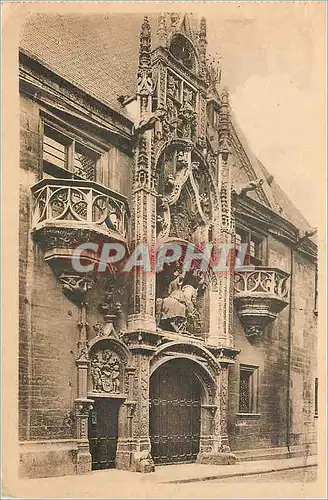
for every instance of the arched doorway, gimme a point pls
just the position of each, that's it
(175, 413)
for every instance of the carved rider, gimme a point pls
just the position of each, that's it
(172, 309)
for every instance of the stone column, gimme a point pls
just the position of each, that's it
(82, 405)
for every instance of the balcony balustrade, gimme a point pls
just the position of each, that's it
(260, 295)
(85, 203)
(67, 213)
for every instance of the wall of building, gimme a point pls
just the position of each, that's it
(48, 319)
(270, 354)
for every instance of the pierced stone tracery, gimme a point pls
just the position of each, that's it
(184, 186)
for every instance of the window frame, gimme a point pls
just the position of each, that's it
(253, 372)
(261, 245)
(72, 137)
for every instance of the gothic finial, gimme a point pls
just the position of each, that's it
(161, 30)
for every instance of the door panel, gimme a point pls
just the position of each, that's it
(103, 433)
(174, 413)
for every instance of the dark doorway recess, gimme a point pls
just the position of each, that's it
(175, 413)
(103, 433)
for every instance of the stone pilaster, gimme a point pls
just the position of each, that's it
(214, 446)
(223, 384)
(83, 459)
(134, 449)
(226, 233)
(143, 237)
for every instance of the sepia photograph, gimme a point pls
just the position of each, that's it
(164, 242)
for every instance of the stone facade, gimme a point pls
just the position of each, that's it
(169, 165)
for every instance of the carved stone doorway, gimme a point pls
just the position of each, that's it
(103, 433)
(175, 413)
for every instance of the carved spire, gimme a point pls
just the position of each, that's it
(213, 71)
(161, 30)
(145, 44)
(224, 123)
(202, 42)
(145, 85)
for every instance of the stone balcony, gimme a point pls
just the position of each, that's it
(260, 295)
(67, 213)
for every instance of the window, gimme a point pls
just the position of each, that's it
(182, 50)
(65, 157)
(248, 389)
(316, 401)
(253, 249)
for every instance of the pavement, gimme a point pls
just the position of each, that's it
(187, 473)
(166, 482)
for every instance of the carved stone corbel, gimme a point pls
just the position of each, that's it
(75, 287)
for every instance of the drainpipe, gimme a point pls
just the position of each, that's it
(289, 351)
(293, 247)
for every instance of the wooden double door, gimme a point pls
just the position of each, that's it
(175, 413)
(103, 433)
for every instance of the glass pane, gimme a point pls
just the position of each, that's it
(54, 152)
(244, 391)
(238, 240)
(84, 163)
(252, 249)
